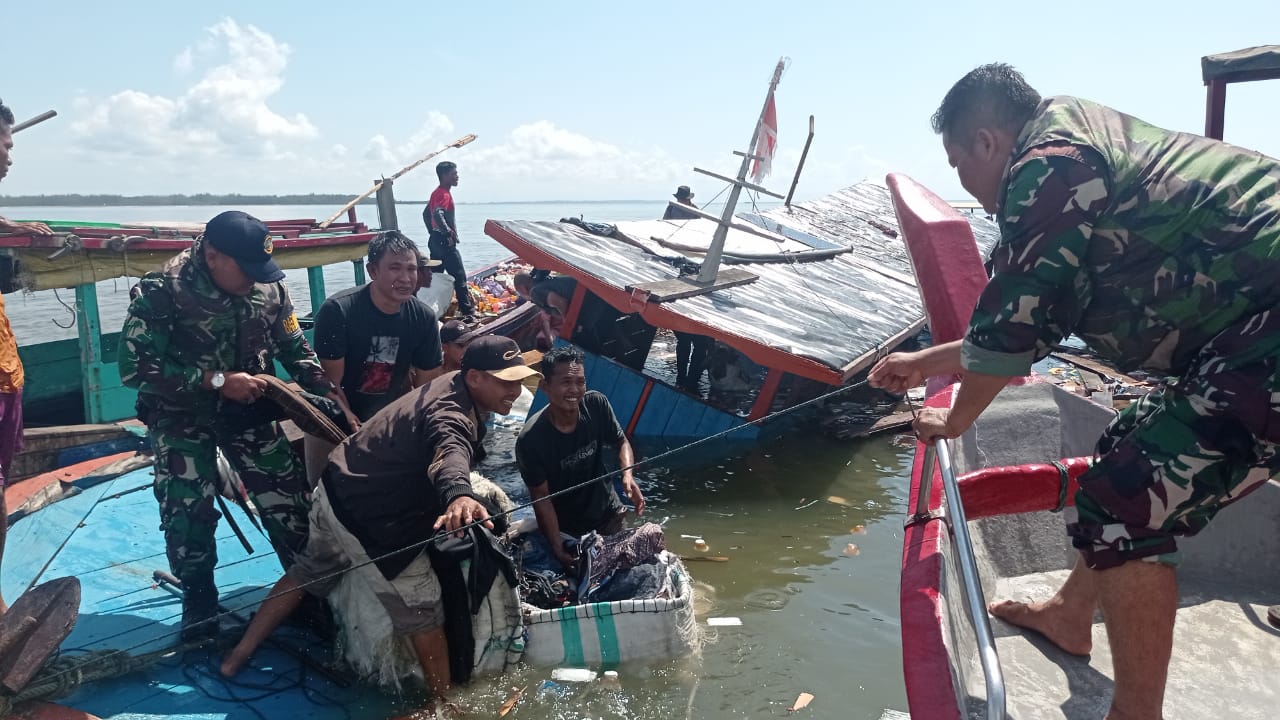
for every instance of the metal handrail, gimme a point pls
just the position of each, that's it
(974, 599)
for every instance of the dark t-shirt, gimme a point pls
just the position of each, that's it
(378, 348)
(676, 211)
(441, 199)
(389, 481)
(562, 285)
(546, 455)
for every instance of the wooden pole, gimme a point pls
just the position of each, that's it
(803, 154)
(34, 121)
(711, 263)
(455, 144)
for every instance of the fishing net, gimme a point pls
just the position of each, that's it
(370, 646)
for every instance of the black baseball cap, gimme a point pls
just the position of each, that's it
(452, 331)
(499, 356)
(245, 239)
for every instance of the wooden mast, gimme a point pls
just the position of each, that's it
(711, 264)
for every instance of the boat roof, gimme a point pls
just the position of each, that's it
(82, 252)
(1255, 63)
(825, 319)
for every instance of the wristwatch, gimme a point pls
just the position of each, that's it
(218, 380)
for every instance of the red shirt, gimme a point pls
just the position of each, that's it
(441, 199)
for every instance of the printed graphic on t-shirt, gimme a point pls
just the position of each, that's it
(582, 457)
(379, 364)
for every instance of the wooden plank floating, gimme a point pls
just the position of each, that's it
(683, 287)
(1096, 366)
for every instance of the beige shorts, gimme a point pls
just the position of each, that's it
(315, 454)
(412, 599)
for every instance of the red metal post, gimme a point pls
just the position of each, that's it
(768, 391)
(575, 308)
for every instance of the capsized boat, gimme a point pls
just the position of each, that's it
(811, 295)
(983, 523)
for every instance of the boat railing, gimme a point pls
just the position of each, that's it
(975, 602)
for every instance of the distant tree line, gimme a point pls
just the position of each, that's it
(176, 199)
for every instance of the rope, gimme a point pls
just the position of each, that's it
(70, 309)
(607, 476)
(1064, 478)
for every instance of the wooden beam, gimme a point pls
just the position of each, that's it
(1095, 366)
(686, 286)
(742, 227)
(743, 183)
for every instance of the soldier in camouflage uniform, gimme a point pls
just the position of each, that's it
(1161, 250)
(195, 336)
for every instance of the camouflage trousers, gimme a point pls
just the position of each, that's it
(1170, 461)
(186, 480)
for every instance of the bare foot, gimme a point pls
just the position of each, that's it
(1065, 627)
(233, 663)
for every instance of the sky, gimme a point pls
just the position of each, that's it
(570, 101)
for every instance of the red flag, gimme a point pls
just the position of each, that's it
(767, 142)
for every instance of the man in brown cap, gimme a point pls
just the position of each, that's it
(388, 489)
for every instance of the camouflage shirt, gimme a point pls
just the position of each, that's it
(181, 324)
(1144, 242)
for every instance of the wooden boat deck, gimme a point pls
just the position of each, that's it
(108, 537)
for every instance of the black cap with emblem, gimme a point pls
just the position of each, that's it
(499, 356)
(245, 239)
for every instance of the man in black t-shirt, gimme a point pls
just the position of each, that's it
(376, 341)
(561, 446)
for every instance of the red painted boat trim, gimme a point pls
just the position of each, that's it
(19, 492)
(575, 309)
(288, 233)
(658, 316)
(635, 415)
(1020, 489)
(926, 668)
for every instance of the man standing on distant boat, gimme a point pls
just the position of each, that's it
(443, 241)
(562, 446)
(684, 196)
(692, 350)
(12, 376)
(1161, 250)
(194, 339)
(376, 341)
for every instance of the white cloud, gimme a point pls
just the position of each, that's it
(226, 132)
(543, 150)
(378, 151)
(225, 109)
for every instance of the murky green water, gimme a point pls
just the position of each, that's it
(817, 616)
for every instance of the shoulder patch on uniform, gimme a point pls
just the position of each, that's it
(291, 324)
